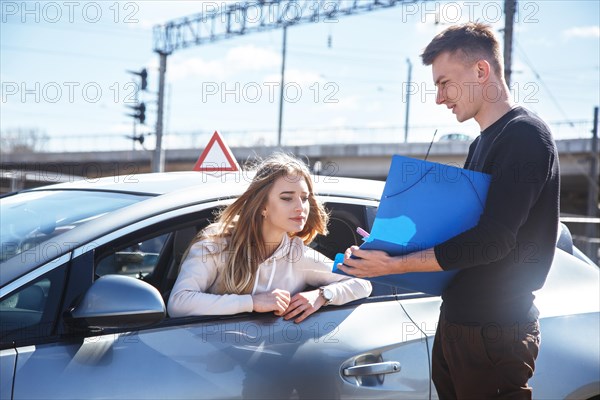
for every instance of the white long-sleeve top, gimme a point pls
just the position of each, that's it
(292, 267)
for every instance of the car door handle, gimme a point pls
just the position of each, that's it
(388, 367)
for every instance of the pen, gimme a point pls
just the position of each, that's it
(362, 232)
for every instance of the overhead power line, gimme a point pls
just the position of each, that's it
(238, 19)
(541, 81)
(61, 53)
(256, 16)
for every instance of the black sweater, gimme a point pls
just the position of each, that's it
(508, 254)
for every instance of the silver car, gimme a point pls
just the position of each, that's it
(86, 268)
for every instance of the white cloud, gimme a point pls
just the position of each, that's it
(379, 124)
(250, 57)
(350, 103)
(373, 107)
(338, 121)
(196, 66)
(300, 77)
(238, 59)
(123, 128)
(582, 32)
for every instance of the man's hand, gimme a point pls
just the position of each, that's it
(278, 301)
(303, 304)
(372, 263)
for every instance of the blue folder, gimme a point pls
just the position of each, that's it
(423, 204)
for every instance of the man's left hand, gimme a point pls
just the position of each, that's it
(372, 263)
(368, 264)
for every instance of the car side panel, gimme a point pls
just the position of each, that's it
(8, 358)
(569, 325)
(555, 376)
(252, 356)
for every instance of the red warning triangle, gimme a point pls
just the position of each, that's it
(216, 158)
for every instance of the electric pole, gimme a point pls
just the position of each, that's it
(158, 161)
(509, 18)
(592, 201)
(407, 99)
(281, 97)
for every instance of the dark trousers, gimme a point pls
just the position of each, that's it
(488, 361)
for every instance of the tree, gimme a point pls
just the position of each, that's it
(22, 140)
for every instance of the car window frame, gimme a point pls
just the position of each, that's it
(85, 256)
(46, 331)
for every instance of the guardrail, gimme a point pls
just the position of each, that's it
(255, 137)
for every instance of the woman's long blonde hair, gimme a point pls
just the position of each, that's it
(241, 222)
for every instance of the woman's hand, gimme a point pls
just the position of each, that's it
(277, 301)
(303, 304)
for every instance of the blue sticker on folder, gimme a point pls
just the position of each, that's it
(423, 204)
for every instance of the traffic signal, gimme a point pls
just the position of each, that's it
(143, 74)
(138, 138)
(140, 112)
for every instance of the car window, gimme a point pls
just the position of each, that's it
(154, 252)
(343, 221)
(30, 218)
(138, 259)
(30, 312)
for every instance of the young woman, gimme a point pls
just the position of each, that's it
(256, 258)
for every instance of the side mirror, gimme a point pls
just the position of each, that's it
(115, 301)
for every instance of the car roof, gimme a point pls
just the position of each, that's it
(169, 191)
(150, 184)
(168, 182)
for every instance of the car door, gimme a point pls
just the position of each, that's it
(28, 309)
(345, 352)
(366, 349)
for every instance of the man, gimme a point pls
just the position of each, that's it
(487, 338)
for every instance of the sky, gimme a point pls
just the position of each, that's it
(63, 69)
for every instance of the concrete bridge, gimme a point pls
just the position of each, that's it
(23, 170)
(354, 160)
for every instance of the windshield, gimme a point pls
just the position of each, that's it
(29, 218)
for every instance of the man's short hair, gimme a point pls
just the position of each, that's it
(471, 42)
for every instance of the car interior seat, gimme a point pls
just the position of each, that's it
(181, 241)
(32, 298)
(342, 234)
